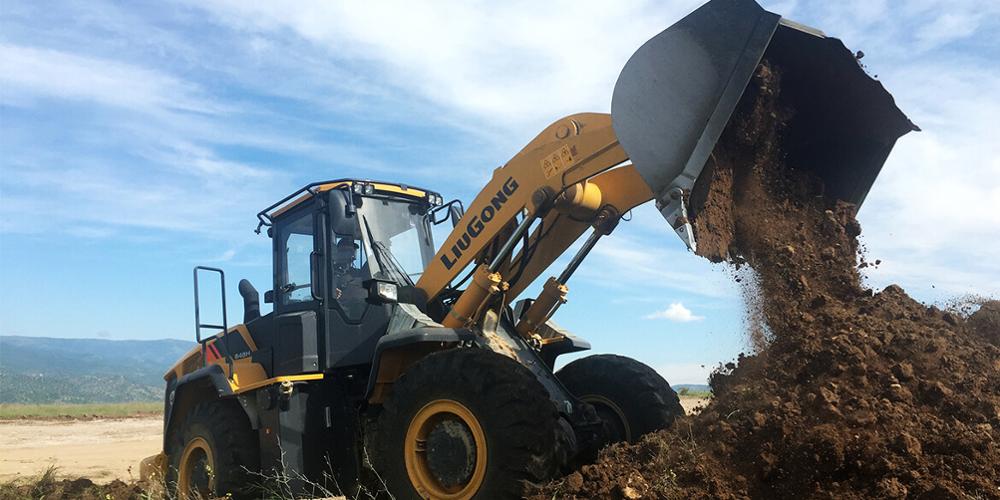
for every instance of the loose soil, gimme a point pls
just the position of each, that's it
(849, 393)
(50, 488)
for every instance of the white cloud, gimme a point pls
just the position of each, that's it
(490, 60)
(144, 143)
(134, 157)
(949, 26)
(198, 161)
(226, 256)
(675, 312)
(91, 232)
(28, 72)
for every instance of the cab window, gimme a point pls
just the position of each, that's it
(295, 242)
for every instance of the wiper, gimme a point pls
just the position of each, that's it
(385, 258)
(393, 263)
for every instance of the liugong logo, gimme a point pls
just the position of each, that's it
(475, 226)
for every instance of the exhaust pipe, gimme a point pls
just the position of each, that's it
(677, 93)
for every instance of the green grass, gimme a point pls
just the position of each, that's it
(10, 411)
(687, 393)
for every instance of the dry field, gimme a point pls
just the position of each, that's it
(100, 449)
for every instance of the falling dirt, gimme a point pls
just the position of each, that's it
(849, 393)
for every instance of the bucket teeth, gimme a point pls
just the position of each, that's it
(674, 208)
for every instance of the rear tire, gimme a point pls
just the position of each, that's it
(630, 397)
(213, 453)
(463, 423)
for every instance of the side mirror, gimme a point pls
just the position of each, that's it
(455, 212)
(269, 297)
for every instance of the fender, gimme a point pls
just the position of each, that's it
(182, 394)
(395, 352)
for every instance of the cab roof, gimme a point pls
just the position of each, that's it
(364, 187)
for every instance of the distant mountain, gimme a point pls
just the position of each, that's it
(51, 370)
(692, 387)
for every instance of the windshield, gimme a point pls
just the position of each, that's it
(401, 243)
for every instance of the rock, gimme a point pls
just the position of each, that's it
(898, 393)
(934, 393)
(759, 419)
(853, 228)
(942, 491)
(892, 488)
(630, 493)
(827, 396)
(818, 301)
(949, 318)
(903, 371)
(803, 282)
(573, 482)
(905, 443)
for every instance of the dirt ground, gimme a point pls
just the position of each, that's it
(101, 450)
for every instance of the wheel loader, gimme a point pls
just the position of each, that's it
(393, 365)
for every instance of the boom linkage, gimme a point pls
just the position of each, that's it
(562, 183)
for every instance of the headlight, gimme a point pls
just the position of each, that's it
(369, 189)
(386, 291)
(357, 187)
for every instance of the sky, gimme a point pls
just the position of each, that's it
(139, 139)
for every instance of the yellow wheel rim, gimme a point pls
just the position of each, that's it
(597, 400)
(415, 450)
(196, 471)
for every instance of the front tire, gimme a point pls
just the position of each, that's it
(213, 454)
(629, 396)
(464, 423)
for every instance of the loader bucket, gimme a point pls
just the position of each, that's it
(677, 93)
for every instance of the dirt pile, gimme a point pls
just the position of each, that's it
(49, 488)
(853, 394)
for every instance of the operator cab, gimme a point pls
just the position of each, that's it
(344, 252)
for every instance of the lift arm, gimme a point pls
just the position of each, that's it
(567, 152)
(545, 198)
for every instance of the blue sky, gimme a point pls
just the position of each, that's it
(138, 139)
